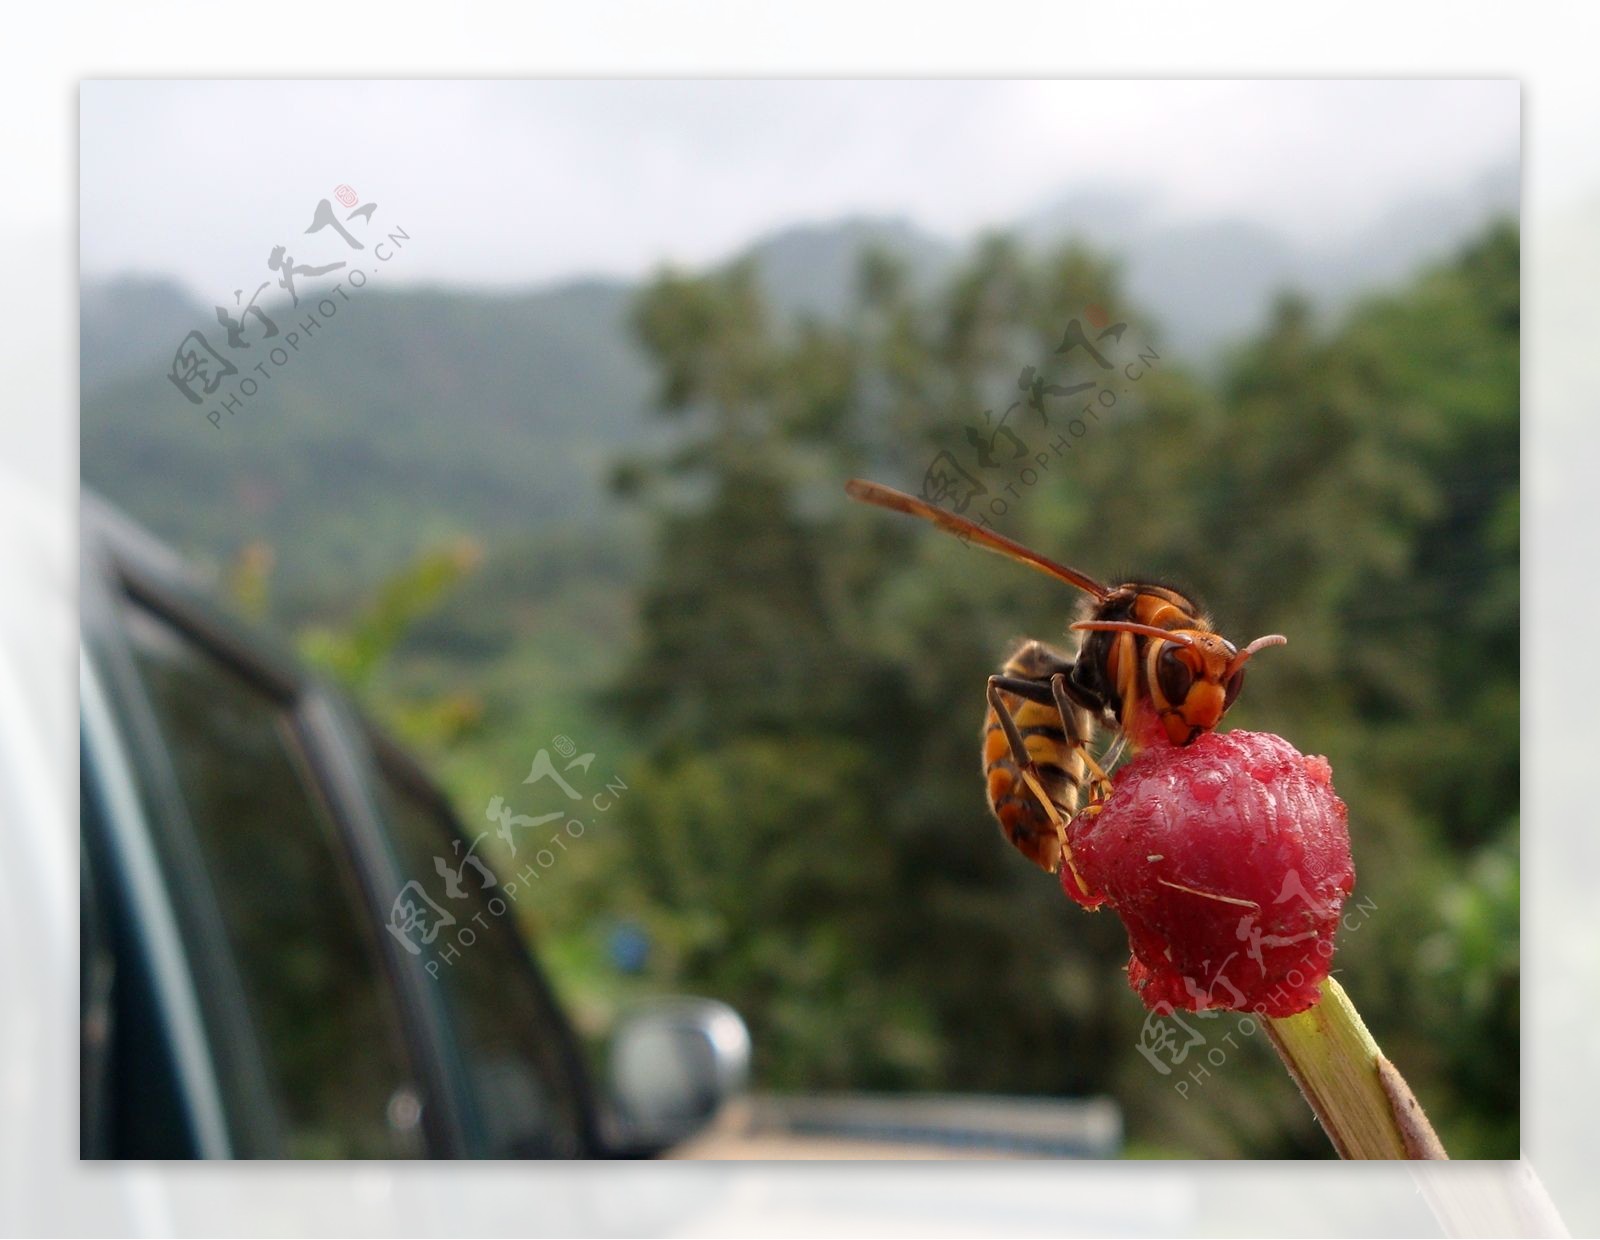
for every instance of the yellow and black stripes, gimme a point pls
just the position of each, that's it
(1055, 747)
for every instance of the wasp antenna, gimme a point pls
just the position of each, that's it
(969, 532)
(1128, 626)
(1260, 643)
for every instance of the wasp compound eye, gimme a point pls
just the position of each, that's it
(1174, 675)
(1231, 691)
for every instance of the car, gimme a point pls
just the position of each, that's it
(288, 948)
(251, 981)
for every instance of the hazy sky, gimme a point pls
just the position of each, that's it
(511, 182)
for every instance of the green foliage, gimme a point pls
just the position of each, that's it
(355, 652)
(358, 651)
(1471, 972)
(791, 684)
(811, 841)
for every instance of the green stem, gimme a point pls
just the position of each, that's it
(1363, 1103)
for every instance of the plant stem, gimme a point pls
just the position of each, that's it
(1363, 1103)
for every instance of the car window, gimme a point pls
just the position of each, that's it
(300, 934)
(463, 938)
(96, 973)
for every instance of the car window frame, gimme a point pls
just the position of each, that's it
(121, 568)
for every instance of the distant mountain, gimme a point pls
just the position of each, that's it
(1209, 283)
(408, 417)
(1112, 218)
(813, 269)
(1413, 233)
(124, 323)
(405, 417)
(418, 414)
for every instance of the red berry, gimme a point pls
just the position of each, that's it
(1228, 862)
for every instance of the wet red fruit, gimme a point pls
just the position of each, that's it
(1228, 862)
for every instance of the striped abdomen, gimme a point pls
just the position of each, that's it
(1057, 753)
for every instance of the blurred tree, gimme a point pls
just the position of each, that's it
(810, 841)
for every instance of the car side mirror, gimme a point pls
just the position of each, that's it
(673, 1064)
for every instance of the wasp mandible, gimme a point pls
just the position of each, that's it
(1148, 666)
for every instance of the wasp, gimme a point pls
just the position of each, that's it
(1149, 666)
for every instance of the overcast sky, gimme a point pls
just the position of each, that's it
(516, 182)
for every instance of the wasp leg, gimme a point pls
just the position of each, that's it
(1043, 692)
(1103, 784)
(1024, 761)
(1098, 777)
(1022, 687)
(1111, 756)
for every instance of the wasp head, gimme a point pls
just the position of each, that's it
(1194, 676)
(1190, 677)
